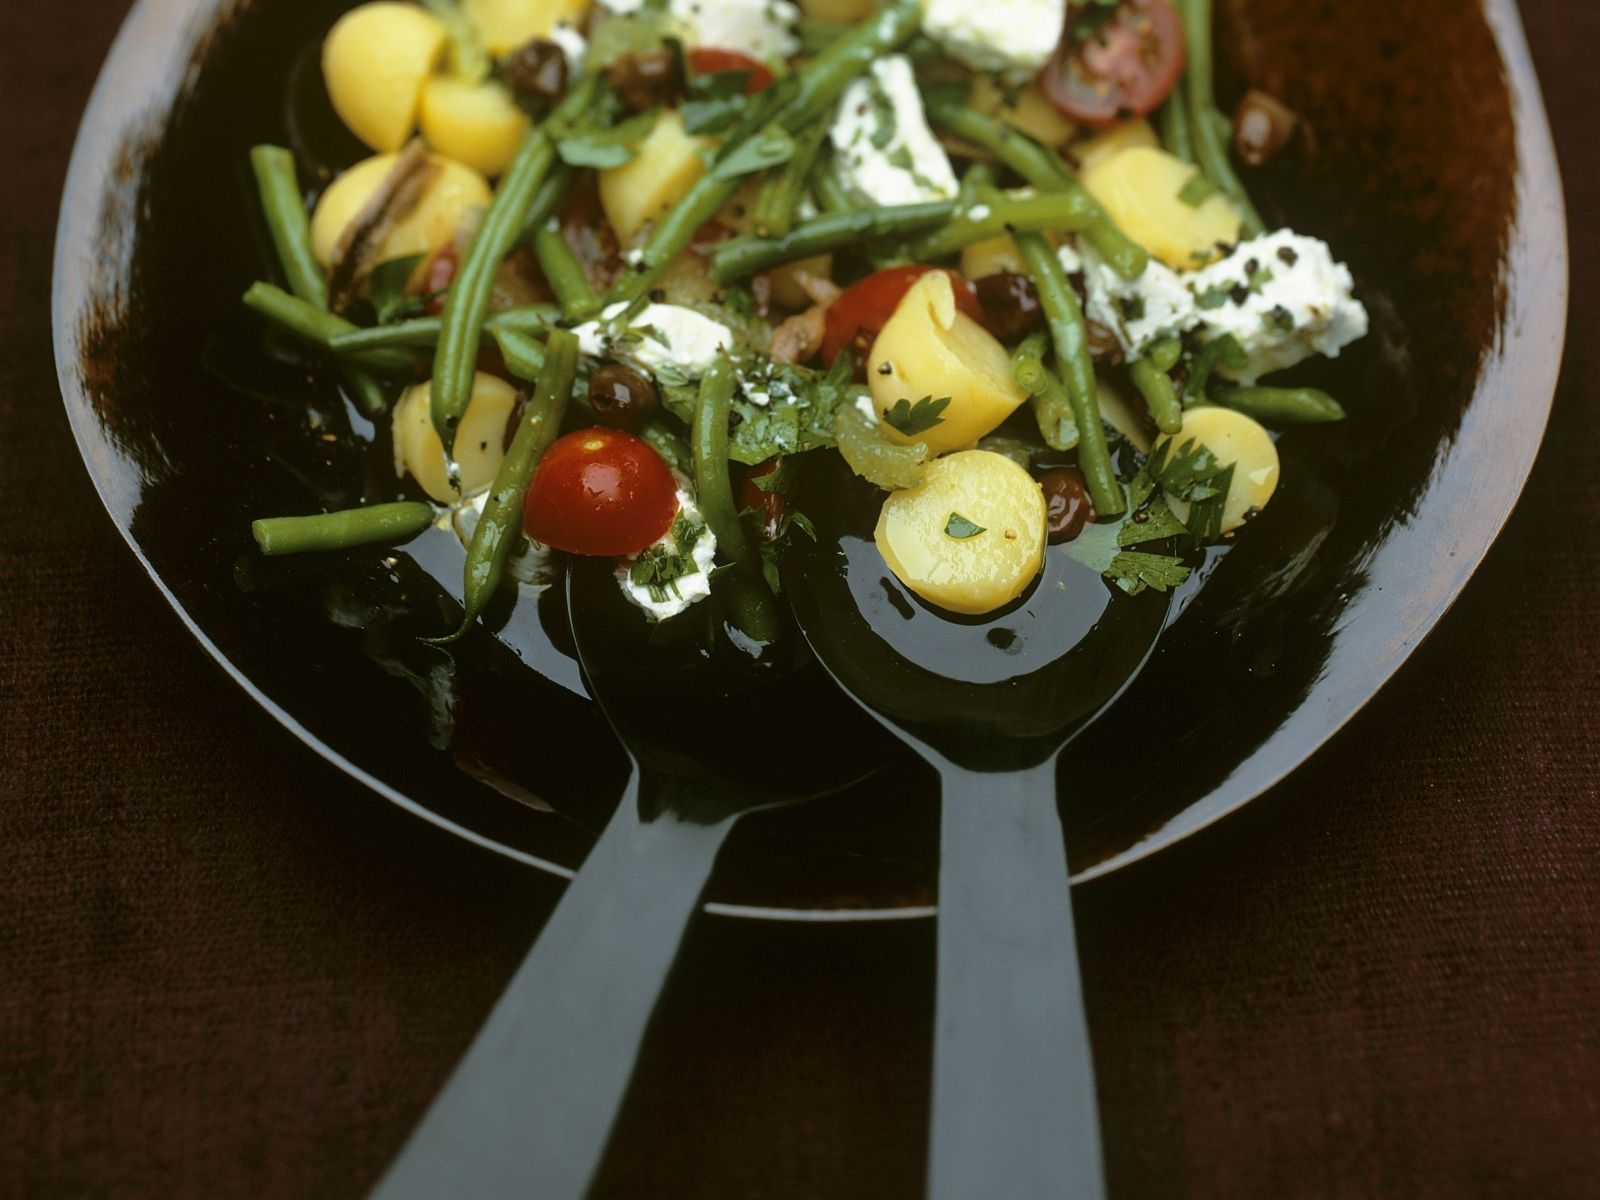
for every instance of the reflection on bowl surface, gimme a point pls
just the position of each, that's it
(1414, 179)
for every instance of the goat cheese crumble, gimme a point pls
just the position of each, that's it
(664, 579)
(763, 29)
(887, 152)
(661, 335)
(1013, 38)
(573, 46)
(1281, 296)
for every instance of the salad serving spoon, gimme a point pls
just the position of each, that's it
(529, 1110)
(990, 703)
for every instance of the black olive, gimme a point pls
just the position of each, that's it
(537, 69)
(622, 397)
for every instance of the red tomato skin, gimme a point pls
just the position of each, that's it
(600, 492)
(770, 507)
(437, 277)
(865, 307)
(1126, 81)
(712, 60)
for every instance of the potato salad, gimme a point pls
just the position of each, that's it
(613, 272)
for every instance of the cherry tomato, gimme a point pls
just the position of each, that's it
(864, 308)
(601, 492)
(1124, 68)
(709, 60)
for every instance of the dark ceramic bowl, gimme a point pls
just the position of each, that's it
(1432, 174)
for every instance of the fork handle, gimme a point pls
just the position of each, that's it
(1014, 1111)
(529, 1110)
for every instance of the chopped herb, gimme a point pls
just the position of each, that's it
(1197, 191)
(1159, 522)
(715, 101)
(1212, 298)
(770, 148)
(1191, 472)
(1133, 571)
(962, 527)
(912, 419)
(658, 568)
(387, 287)
(1131, 307)
(604, 146)
(1280, 319)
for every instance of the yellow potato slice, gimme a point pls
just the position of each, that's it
(667, 165)
(920, 532)
(931, 348)
(991, 256)
(505, 25)
(480, 442)
(477, 124)
(375, 61)
(1093, 151)
(1237, 439)
(456, 193)
(1024, 109)
(1140, 189)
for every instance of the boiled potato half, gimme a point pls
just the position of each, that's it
(1024, 109)
(667, 164)
(375, 62)
(992, 256)
(969, 538)
(477, 124)
(1237, 439)
(930, 348)
(1095, 150)
(456, 192)
(480, 442)
(506, 24)
(1140, 188)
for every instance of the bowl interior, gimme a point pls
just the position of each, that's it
(1427, 167)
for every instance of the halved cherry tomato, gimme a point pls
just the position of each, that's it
(864, 308)
(1124, 67)
(710, 60)
(602, 492)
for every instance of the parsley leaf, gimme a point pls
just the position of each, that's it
(1158, 523)
(1192, 473)
(962, 527)
(1133, 571)
(658, 568)
(715, 101)
(604, 147)
(912, 419)
(770, 148)
(1197, 191)
(386, 284)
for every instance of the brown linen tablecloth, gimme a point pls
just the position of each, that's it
(227, 971)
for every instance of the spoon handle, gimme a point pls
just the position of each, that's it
(1014, 1110)
(529, 1109)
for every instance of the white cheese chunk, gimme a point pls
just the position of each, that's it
(573, 46)
(762, 29)
(1013, 38)
(671, 592)
(1283, 297)
(660, 336)
(1139, 311)
(886, 150)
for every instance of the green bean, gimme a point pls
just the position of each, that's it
(1282, 406)
(291, 237)
(1044, 170)
(997, 213)
(525, 358)
(740, 256)
(564, 273)
(1165, 353)
(773, 215)
(1067, 332)
(1052, 407)
(751, 604)
(315, 326)
(1155, 385)
(828, 189)
(499, 526)
(819, 85)
(342, 530)
(816, 36)
(1176, 135)
(422, 333)
(466, 305)
(1211, 149)
(288, 223)
(551, 195)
